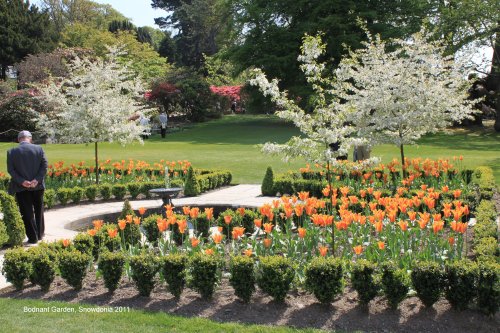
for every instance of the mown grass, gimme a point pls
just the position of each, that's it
(231, 143)
(14, 318)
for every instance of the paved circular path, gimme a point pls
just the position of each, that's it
(60, 223)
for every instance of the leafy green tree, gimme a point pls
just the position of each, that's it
(202, 27)
(24, 29)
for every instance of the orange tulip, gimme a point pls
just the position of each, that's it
(186, 210)
(258, 223)
(112, 233)
(91, 232)
(66, 242)
(219, 229)
(217, 237)
(98, 224)
(182, 225)
(451, 240)
(302, 232)
(457, 193)
(381, 245)
(268, 227)
(241, 210)
(412, 215)
(168, 208)
(162, 224)
(122, 224)
(238, 232)
(228, 219)
(303, 195)
(379, 226)
(358, 249)
(422, 223)
(137, 220)
(267, 242)
(445, 189)
(299, 210)
(437, 226)
(194, 212)
(129, 218)
(209, 252)
(209, 212)
(403, 225)
(323, 250)
(194, 241)
(142, 210)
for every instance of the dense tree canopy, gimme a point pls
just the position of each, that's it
(24, 29)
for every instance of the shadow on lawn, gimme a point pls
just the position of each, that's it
(478, 139)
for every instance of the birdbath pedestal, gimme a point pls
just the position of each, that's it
(166, 194)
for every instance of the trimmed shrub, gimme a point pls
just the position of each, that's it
(91, 192)
(247, 220)
(325, 278)
(105, 241)
(191, 187)
(126, 210)
(134, 189)
(73, 265)
(274, 276)
(204, 274)
(49, 198)
(63, 195)
(173, 270)
(363, 280)
(84, 243)
(119, 191)
(267, 187)
(150, 229)
(461, 283)
(111, 266)
(16, 267)
(488, 289)
(485, 180)
(43, 268)
(144, 268)
(146, 186)
(242, 277)
(202, 225)
(76, 194)
(395, 283)
(487, 249)
(12, 219)
(132, 232)
(427, 279)
(4, 237)
(105, 191)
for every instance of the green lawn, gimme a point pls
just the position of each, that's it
(231, 143)
(14, 319)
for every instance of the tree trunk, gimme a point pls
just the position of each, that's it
(494, 77)
(96, 165)
(402, 160)
(3, 74)
(330, 184)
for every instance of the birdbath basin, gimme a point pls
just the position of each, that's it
(166, 194)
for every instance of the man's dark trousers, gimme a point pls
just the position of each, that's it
(29, 201)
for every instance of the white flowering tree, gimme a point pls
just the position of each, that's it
(99, 101)
(402, 90)
(329, 123)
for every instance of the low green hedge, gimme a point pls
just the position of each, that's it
(12, 220)
(485, 181)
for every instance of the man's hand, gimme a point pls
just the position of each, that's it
(27, 184)
(34, 183)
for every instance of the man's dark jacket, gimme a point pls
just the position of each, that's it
(26, 162)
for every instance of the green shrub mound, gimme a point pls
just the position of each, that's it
(144, 268)
(191, 187)
(461, 283)
(173, 270)
(488, 288)
(105, 242)
(111, 266)
(150, 229)
(49, 198)
(84, 243)
(105, 191)
(119, 191)
(73, 266)
(267, 187)
(395, 284)
(134, 189)
(16, 267)
(76, 194)
(202, 225)
(12, 219)
(63, 195)
(364, 281)
(4, 237)
(274, 276)
(43, 267)
(91, 192)
(204, 274)
(242, 277)
(427, 278)
(325, 278)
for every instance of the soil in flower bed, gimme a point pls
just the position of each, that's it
(300, 309)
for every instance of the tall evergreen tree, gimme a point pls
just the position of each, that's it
(24, 29)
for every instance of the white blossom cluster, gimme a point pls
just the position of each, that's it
(385, 92)
(99, 101)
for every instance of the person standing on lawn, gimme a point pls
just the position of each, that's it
(27, 166)
(163, 123)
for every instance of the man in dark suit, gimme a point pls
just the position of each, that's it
(27, 166)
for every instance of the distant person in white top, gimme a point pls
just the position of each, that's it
(163, 123)
(143, 121)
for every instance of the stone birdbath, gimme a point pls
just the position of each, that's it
(167, 193)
